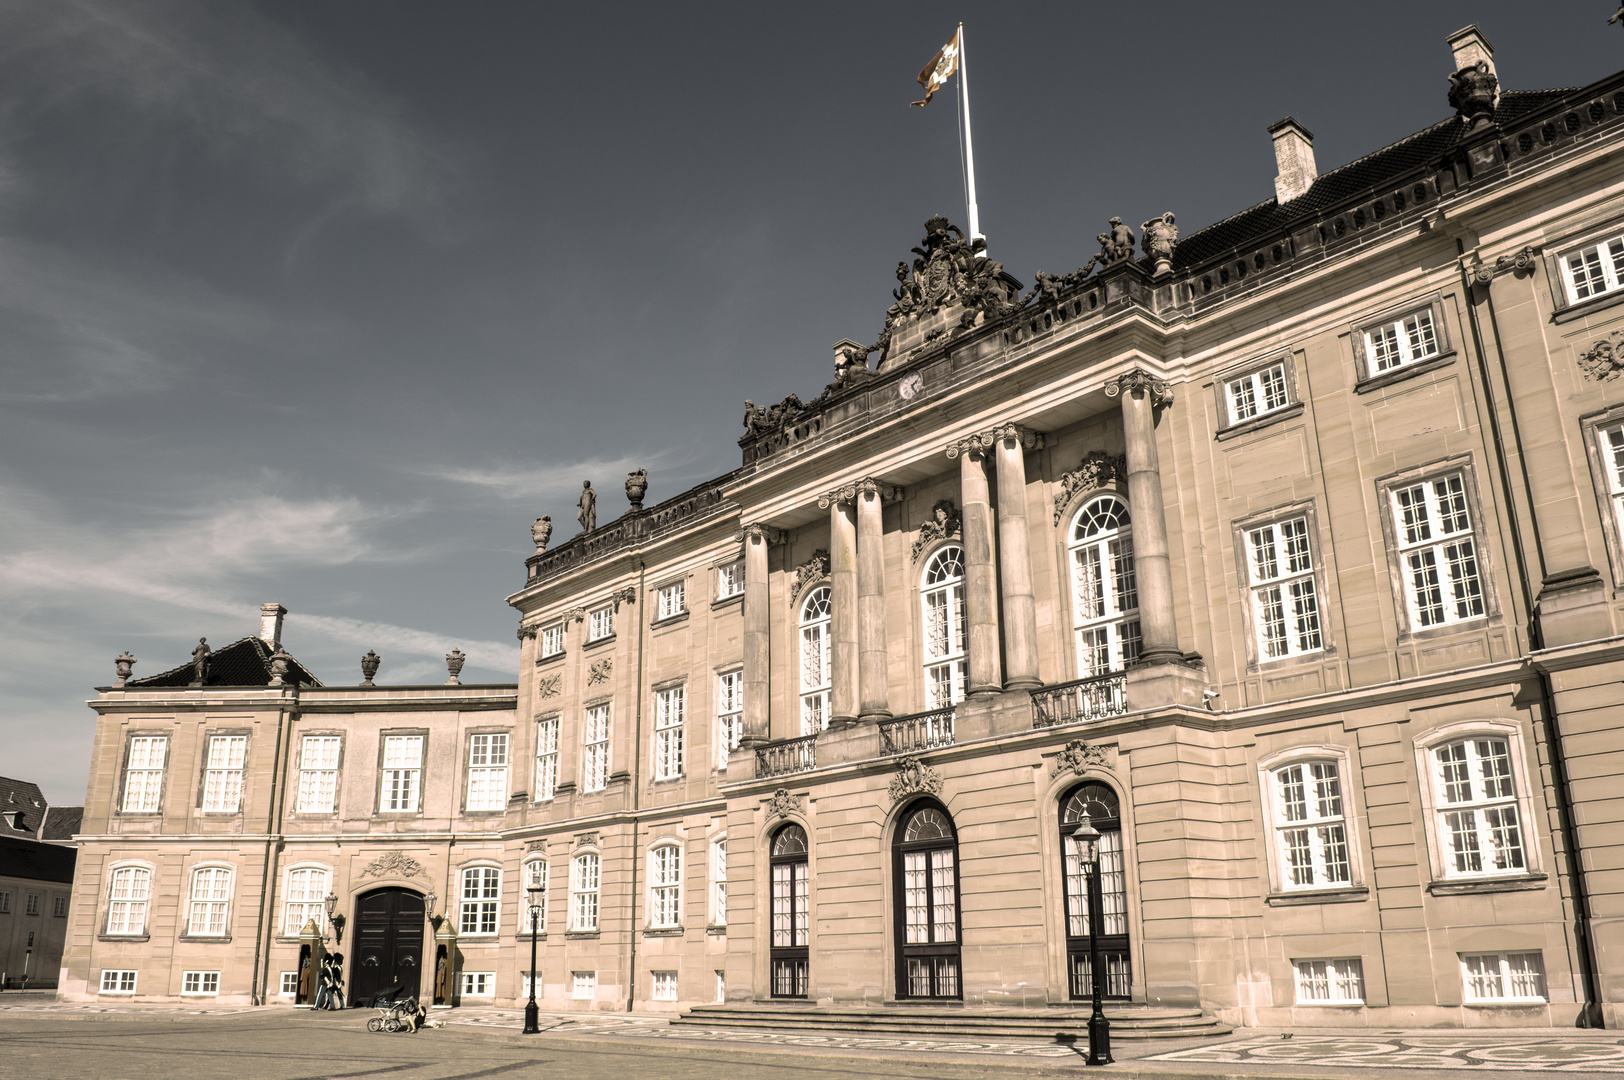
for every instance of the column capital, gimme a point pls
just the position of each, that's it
(1029, 439)
(847, 493)
(756, 531)
(979, 444)
(1138, 382)
(975, 446)
(578, 614)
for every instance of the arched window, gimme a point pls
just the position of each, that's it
(665, 886)
(1474, 799)
(210, 902)
(127, 900)
(790, 921)
(815, 664)
(942, 598)
(306, 899)
(1105, 595)
(535, 876)
(481, 898)
(927, 897)
(584, 891)
(1104, 812)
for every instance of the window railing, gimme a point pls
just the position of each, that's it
(922, 731)
(787, 757)
(1081, 700)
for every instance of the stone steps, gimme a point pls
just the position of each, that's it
(934, 1021)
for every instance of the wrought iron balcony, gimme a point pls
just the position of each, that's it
(1097, 697)
(922, 731)
(787, 757)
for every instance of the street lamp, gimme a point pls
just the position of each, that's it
(531, 1026)
(1099, 1028)
(337, 920)
(428, 907)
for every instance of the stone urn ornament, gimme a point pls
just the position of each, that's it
(1159, 236)
(279, 666)
(541, 531)
(453, 664)
(123, 664)
(369, 667)
(636, 487)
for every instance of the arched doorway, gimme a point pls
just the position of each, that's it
(926, 855)
(1105, 812)
(790, 922)
(387, 947)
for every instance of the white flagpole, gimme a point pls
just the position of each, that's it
(969, 147)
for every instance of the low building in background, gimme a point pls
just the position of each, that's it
(36, 880)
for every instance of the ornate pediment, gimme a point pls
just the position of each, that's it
(393, 864)
(783, 804)
(914, 777)
(586, 839)
(1078, 756)
(1604, 359)
(814, 569)
(944, 524)
(951, 287)
(1098, 470)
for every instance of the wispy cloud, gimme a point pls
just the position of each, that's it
(543, 481)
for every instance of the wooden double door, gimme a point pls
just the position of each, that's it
(387, 947)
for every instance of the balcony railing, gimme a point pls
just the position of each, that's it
(922, 731)
(1095, 698)
(787, 757)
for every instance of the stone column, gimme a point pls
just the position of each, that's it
(1014, 557)
(1140, 393)
(757, 540)
(872, 658)
(843, 602)
(980, 577)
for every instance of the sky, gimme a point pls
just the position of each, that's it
(324, 303)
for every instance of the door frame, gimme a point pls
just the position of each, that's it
(426, 950)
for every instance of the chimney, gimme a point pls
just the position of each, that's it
(1293, 158)
(1469, 46)
(270, 624)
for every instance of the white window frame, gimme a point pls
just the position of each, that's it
(478, 984)
(1279, 820)
(665, 886)
(200, 984)
(1438, 805)
(1438, 571)
(550, 641)
(586, 878)
(122, 980)
(145, 760)
(208, 911)
(730, 579)
(129, 898)
(487, 771)
(304, 897)
(222, 774)
(601, 623)
(584, 985)
(1507, 970)
(945, 627)
(729, 714)
(535, 873)
(1107, 627)
(1596, 266)
(663, 986)
(319, 757)
(59, 907)
(595, 747)
(670, 712)
(548, 730)
(289, 985)
(1258, 391)
(1607, 475)
(718, 880)
(1280, 565)
(1342, 979)
(815, 625)
(400, 784)
(671, 600)
(479, 901)
(1402, 339)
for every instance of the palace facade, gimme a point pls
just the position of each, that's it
(1288, 553)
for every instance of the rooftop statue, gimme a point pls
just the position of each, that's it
(200, 662)
(587, 515)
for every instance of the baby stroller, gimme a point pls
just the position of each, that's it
(397, 1011)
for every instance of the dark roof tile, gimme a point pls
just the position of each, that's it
(242, 663)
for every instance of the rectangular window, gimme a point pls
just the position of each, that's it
(59, 907)
(665, 985)
(1339, 981)
(222, 782)
(584, 985)
(665, 886)
(144, 776)
(535, 878)
(1518, 976)
(729, 715)
(552, 640)
(546, 758)
(1594, 269)
(117, 982)
(601, 623)
(402, 772)
(290, 983)
(1475, 797)
(1406, 340)
(211, 899)
(487, 772)
(479, 984)
(1442, 580)
(481, 894)
(721, 986)
(670, 705)
(595, 749)
(1285, 607)
(673, 600)
(200, 983)
(719, 882)
(1612, 459)
(584, 892)
(1310, 826)
(1258, 392)
(33, 904)
(730, 580)
(5, 903)
(306, 899)
(127, 900)
(318, 774)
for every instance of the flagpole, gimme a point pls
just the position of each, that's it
(969, 147)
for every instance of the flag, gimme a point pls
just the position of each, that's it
(940, 68)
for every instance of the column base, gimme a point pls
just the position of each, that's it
(1024, 684)
(841, 723)
(873, 717)
(1152, 684)
(984, 691)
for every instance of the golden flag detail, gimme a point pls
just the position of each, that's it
(940, 68)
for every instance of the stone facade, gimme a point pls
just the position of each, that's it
(1290, 556)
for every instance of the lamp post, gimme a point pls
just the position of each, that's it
(337, 920)
(531, 1026)
(1099, 1028)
